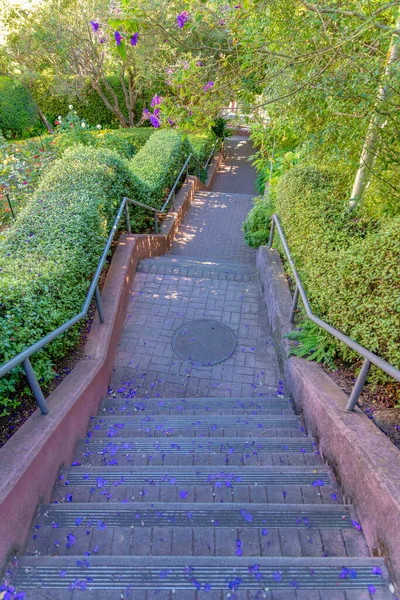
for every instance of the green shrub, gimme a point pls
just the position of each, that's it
(350, 266)
(201, 144)
(257, 224)
(50, 254)
(127, 142)
(158, 164)
(18, 111)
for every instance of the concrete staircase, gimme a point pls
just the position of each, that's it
(192, 498)
(198, 497)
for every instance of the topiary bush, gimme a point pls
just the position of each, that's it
(18, 110)
(50, 254)
(158, 164)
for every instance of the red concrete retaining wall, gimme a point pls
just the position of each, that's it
(364, 460)
(31, 459)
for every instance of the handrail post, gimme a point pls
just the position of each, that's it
(35, 387)
(128, 220)
(99, 304)
(271, 234)
(10, 205)
(155, 223)
(294, 304)
(358, 386)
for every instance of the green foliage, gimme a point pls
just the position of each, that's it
(220, 128)
(201, 144)
(49, 255)
(311, 342)
(257, 224)
(158, 164)
(127, 142)
(89, 104)
(350, 265)
(17, 109)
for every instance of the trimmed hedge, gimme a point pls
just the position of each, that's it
(18, 110)
(158, 164)
(127, 142)
(349, 264)
(49, 255)
(201, 144)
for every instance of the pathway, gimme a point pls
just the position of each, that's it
(197, 480)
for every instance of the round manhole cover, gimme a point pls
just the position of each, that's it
(204, 342)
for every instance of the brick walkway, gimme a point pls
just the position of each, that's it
(200, 279)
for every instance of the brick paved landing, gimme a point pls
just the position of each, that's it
(198, 483)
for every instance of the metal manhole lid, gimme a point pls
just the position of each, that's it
(204, 342)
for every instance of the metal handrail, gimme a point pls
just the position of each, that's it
(24, 356)
(370, 357)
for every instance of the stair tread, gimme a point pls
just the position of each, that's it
(219, 573)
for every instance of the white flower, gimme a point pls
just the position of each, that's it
(75, 113)
(70, 107)
(59, 118)
(83, 124)
(98, 126)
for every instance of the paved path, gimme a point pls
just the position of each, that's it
(199, 483)
(207, 284)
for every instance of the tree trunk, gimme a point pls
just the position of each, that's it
(114, 109)
(45, 121)
(370, 148)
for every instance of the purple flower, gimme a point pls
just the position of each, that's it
(95, 25)
(199, 63)
(156, 100)
(356, 525)
(146, 114)
(134, 39)
(208, 86)
(154, 121)
(156, 112)
(117, 36)
(371, 589)
(377, 571)
(238, 548)
(171, 122)
(182, 18)
(318, 483)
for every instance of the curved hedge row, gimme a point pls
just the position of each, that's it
(49, 254)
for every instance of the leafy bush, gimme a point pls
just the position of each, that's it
(201, 144)
(257, 224)
(127, 142)
(350, 265)
(88, 103)
(49, 255)
(18, 111)
(158, 164)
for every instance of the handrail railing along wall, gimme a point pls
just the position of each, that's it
(24, 356)
(369, 357)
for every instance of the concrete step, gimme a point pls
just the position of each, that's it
(186, 425)
(144, 528)
(228, 406)
(197, 451)
(176, 475)
(170, 575)
(171, 264)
